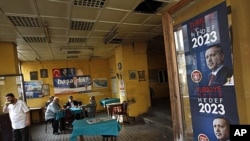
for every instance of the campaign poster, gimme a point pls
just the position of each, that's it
(209, 67)
(66, 81)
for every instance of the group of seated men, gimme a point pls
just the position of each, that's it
(53, 107)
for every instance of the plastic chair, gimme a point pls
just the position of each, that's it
(46, 122)
(91, 111)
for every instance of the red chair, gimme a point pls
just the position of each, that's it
(66, 122)
(123, 111)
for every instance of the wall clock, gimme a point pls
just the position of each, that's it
(119, 66)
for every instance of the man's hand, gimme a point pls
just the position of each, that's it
(5, 109)
(7, 103)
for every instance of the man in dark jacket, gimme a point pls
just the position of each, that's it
(71, 102)
(215, 62)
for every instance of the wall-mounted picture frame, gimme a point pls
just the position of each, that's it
(132, 75)
(43, 73)
(45, 89)
(141, 75)
(33, 75)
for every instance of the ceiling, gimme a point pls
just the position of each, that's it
(78, 29)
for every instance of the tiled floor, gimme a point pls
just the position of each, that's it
(135, 131)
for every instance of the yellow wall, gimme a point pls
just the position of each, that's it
(241, 53)
(94, 68)
(135, 58)
(157, 60)
(8, 58)
(132, 57)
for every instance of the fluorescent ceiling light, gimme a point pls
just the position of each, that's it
(77, 49)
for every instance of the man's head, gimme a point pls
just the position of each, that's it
(51, 98)
(75, 79)
(214, 57)
(221, 127)
(92, 98)
(70, 98)
(56, 100)
(10, 98)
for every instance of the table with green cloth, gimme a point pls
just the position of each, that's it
(99, 127)
(106, 101)
(60, 115)
(74, 110)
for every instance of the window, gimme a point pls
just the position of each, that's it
(162, 76)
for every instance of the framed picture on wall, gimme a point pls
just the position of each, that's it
(132, 75)
(45, 89)
(141, 75)
(33, 75)
(43, 73)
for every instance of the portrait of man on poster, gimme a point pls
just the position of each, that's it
(221, 128)
(220, 74)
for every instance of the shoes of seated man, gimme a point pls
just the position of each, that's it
(56, 133)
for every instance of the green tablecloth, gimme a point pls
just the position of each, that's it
(104, 102)
(74, 110)
(82, 127)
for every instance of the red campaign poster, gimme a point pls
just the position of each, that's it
(209, 71)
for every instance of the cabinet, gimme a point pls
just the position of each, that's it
(5, 128)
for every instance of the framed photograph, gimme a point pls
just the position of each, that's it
(141, 75)
(132, 75)
(33, 75)
(45, 89)
(43, 73)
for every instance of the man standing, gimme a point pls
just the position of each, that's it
(221, 127)
(19, 117)
(215, 62)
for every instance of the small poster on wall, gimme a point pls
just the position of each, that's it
(33, 89)
(122, 87)
(100, 83)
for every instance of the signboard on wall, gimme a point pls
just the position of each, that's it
(66, 81)
(33, 89)
(209, 69)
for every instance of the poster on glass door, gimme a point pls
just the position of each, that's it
(209, 68)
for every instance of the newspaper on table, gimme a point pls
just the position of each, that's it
(99, 119)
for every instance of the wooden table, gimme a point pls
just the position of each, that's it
(94, 126)
(39, 111)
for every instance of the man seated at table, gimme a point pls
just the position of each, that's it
(50, 114)
(71, 102)
(90, 108)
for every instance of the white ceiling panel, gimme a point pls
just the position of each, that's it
(40, 28)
